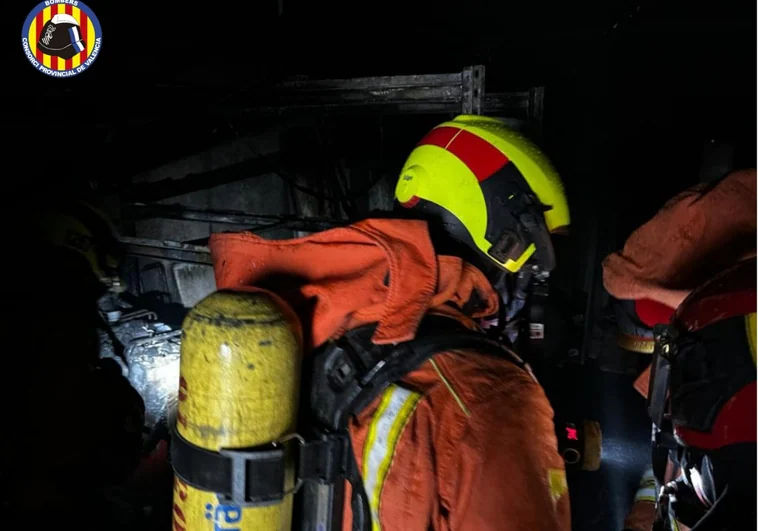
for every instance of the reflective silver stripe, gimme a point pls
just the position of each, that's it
(648, 494)
(395, 408)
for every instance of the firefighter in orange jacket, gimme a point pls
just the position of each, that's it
(466, 440)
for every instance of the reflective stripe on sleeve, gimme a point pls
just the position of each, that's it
(395, 409)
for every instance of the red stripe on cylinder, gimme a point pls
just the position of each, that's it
(481, 157)
(39, 32)
(179, 513)
(440, 136)
(69, 11)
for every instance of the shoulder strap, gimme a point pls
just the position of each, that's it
(349, 373)
(346, 375)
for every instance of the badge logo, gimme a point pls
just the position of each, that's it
(61, 38)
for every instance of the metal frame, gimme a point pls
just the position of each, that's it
(175, 251)
(459, 92)
(166, 250)
(256, 222)
(472, 84)
(193, 182)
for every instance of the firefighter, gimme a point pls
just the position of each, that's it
(702, 400)
(686, 282)
(78, 422)
(463, 437)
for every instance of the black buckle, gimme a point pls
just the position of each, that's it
(245, 476)
(509, 245)
(660, 375)
(247, 468)
(324, 459)
(662, 520)
(254, 477)
(342, 376)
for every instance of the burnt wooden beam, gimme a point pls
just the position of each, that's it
(193, 182)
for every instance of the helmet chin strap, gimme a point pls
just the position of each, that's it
(497, 329)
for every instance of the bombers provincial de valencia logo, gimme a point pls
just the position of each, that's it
(61, 38)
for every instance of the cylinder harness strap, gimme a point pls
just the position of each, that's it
(346, 376)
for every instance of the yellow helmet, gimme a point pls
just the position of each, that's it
(490, 187)
(82, 228)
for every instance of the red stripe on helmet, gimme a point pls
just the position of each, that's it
(412, 202)
(439, 136)
(481, 157)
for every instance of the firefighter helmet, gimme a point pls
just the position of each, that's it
(61, 37)
(85, 230)
(490, 187)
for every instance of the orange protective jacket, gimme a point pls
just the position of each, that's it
(696, 235)
(464, 443)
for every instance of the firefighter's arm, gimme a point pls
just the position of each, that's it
(509, 472)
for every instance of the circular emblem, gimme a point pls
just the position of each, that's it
(61, 38)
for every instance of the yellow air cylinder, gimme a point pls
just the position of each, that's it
(240, 377)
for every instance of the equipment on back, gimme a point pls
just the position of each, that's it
(491, 188)
(250, 483)
(703, 405)
(238, 393)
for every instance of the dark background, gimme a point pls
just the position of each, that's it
(635, 93)
(634, 89)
